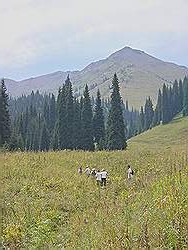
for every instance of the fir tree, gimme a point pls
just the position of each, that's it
(171, 104)
(166, 117)
(66, 115)
(127, 105)
(115, 124)
(87, 136)
(62, 117)
(158, 110)
(52, 113)
(175, 99)
(185, 97)
(54, 144)
(46, 112)
(77, 126)
(4, 115)
(69, 115)
(44, 139)
(180, 92)
(142, 119)
(98, 122)
(148, 110)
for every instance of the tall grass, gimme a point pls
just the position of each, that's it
(46, 204)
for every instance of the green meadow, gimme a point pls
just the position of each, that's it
(45, 204)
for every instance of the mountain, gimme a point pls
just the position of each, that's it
(140, 75)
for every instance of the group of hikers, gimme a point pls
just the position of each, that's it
(101, 175)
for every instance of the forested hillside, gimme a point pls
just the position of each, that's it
(41, 122)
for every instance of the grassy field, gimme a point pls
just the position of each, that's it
(47, 205)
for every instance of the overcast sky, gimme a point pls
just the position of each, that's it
(42, 36)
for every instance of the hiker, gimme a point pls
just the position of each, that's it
(87, 171)
(104, 174)
(130, 173)
(93, 172)
(80, 171)
(98, 177)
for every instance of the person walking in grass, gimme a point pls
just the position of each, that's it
(80, 171)
(98, 177)
(87, 171)
(130, 173)
(93, 172)
(104, 175)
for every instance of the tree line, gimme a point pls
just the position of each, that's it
(42, 122)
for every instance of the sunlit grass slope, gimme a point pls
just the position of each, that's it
(165, 136)
(47, 205)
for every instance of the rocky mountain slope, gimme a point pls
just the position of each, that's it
(140, 75)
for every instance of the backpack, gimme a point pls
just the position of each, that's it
(132, 172)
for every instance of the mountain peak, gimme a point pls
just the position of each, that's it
(139, 73)
(128, 52)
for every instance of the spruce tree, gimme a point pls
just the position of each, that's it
(158, 110)
(180, 92)
(62, 117)
(174, 103)
(98, 123)
(148, 110)
(127, 105)
(142, 119)
(44, 139)
(87, 139)
(166, 113)
(52, 113)
(185, 97)
(46, 113)
(54, 144)
(171, 104)
(77, 126)
(5, 131)
(69, 115)
(115, 137)
(66, 115)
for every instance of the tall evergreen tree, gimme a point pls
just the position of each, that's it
(77, 126)
(66, 115)
(98, 122)
(148, 110)
(185, 96)
(44, 138)
(69, 115)
(158, 110)
(180, 95)
(171, 103)
(62, 117)
(115, 137)
(175, 99)
(52, 112)
(87, 139)
(142, 119)
(54, 144)
(166, 116)
(127, 105)
(4, 115)
(46, 112)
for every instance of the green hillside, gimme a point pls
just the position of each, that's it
(164, 136)
(47, 205)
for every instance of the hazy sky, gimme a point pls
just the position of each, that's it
(42, 36)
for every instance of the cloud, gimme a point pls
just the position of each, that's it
(32, 29)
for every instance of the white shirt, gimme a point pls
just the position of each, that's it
(129, 172)
(87, 171)
(104, 174)
(98, 176)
